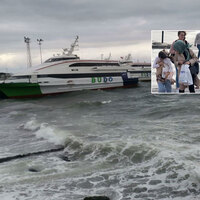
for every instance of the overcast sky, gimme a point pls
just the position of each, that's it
(118, 27)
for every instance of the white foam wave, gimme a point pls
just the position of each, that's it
(108, 151)
(106, 102)
(13, 113)
(6, 196)
(51, 134)
(45, 131)
(31, 125)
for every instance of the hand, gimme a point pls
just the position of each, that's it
(161, 64)
(188, 63)
(166, 75)
(180, 62)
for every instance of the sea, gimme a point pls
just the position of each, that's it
(125, 144)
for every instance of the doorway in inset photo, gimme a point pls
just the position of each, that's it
(175, 61)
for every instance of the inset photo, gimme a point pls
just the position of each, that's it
(175, 61)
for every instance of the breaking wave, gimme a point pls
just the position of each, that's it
(45, 131)
(117, 152)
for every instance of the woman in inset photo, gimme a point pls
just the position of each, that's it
(183, 55)
(181, 36)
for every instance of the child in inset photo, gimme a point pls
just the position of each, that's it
(164, 72)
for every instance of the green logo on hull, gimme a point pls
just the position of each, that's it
(101, 79)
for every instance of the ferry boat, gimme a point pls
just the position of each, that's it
(65, 73)
(4, 75)
(142, 68)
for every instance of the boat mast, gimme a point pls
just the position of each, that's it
(73, 45)
(27, 41)
(128, 57)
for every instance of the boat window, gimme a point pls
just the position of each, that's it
(43, 76)
(93, 64)
(60, 59)
(18, 77)
(78, 75)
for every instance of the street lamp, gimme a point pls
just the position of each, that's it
(27, 41)
(40, 43)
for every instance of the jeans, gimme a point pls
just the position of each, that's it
(177, 81)
(164, 87)
(198, 46)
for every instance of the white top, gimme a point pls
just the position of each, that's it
(167, 66)
(197, 39)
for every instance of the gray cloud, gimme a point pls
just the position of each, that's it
(98, 23)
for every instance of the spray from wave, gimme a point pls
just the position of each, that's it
(45, 131)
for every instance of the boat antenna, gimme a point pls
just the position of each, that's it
(128, 57)
(73, 45)
(109, 57)
(40, 43)
(27, 41)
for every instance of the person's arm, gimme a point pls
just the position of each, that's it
(195, 41)
(171, 51)
(155, 64)
(170, 73)
(166, 75)
(193, 59)
(169, 63)
(176, 60)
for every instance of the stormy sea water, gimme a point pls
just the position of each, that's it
(124, 143)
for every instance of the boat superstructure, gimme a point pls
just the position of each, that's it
(67, 72)
(142, 68)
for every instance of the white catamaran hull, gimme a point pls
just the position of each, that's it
(47, 86)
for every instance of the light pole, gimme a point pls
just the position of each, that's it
(27, 41)
(40, 43)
